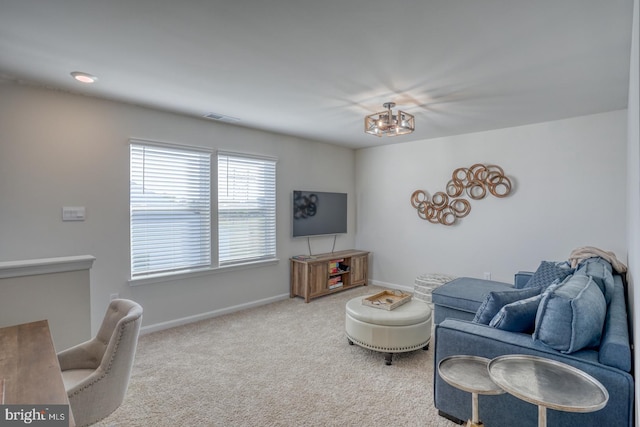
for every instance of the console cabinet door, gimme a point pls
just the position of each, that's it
(359, 268)
(318, 278)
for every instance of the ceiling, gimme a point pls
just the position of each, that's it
(314, 69)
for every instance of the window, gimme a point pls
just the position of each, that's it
(170, 202)
(246, 209)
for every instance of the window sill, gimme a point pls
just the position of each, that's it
(171, 277)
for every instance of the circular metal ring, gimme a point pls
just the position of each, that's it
(460, 207)
(495, 168)
(454, 188)
(422, 210)
(416, 198)
(478, 172)
(439, 200)
(492, 175)
(431, 214)
(456, 175)
(496, 184)
(476, 166)
(446, 216)
(475, 186)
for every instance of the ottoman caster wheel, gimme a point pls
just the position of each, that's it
(387, 359)
(349, 341)
(426, 347)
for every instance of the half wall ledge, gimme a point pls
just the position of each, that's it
(56, 289)
(32, 267)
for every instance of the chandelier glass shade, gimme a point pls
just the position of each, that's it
(386, 123)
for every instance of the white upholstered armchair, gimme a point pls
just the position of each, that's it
(96, 373)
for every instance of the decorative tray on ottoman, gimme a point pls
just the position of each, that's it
(387, 300)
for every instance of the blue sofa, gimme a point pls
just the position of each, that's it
(459, 329)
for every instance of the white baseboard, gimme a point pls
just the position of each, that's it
(391, 285)
(215, 313)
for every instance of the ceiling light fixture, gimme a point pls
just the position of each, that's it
(84, 77)
(388, 124)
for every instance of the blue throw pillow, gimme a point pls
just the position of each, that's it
(600, 271)
(519, 316)
(547, 272)
(570, 316)
(496, 300)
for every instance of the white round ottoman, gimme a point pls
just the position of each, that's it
(405, 328)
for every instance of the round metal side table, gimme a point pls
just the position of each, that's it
(469, 373)
(548, 384)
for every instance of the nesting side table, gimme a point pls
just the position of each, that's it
(548, 384)
(469, 373)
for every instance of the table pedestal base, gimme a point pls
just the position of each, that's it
(542, 416)
(475, 418)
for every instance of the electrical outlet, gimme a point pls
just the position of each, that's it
(487, 275)
(113, 296)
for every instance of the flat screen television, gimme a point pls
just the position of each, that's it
(317, 213)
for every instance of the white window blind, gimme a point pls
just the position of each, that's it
(170, 202)
(246, 209)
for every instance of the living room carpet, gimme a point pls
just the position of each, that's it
(283, 364)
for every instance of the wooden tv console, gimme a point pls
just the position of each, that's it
(324, 274)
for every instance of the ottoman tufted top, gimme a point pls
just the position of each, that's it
(410, 313)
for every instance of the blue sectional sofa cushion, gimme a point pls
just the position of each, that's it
(600, 271)
(547, 273)
(466, 293)
(494, 301)
(570, 317)
(519, 316)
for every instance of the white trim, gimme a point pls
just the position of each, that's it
(171, 145)
(247, 155)
(215, 313)
(169, 277)
(33, 267)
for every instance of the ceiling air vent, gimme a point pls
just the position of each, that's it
(221, 118)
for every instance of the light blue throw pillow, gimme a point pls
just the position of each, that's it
(570, 316)
(496, 300)
(519, 316)
(600, 271)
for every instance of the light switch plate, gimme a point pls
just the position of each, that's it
(73, 213)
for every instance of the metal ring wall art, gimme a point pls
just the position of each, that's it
(446, 207)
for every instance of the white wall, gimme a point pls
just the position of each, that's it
(59, 149)
(569, 190)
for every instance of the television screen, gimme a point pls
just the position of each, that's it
(317, 213)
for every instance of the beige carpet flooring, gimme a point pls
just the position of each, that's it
(282, 364)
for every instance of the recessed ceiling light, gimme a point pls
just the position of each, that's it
(84, 77)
